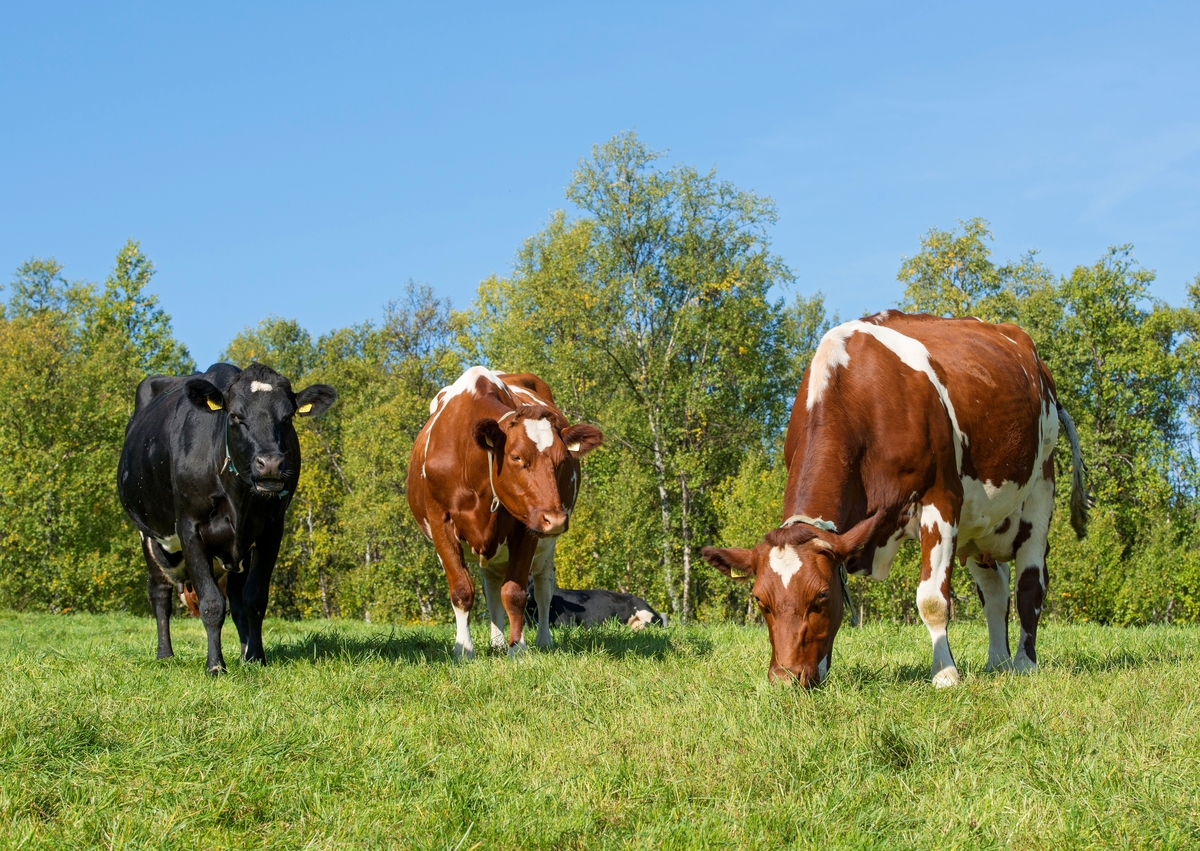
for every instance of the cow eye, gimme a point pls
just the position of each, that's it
(515, 457)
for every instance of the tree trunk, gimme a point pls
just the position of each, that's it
(664, 501)
(685, 506)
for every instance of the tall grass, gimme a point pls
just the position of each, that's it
(362, 736)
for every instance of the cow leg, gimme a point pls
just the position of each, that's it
(235, 586)
(938, 542)
(543, 588)
(211, 600)
(256, 592)
(458, 578)
(493, 582)
(160, 590)
(992, 582)
(513, 593)
(1032, 547)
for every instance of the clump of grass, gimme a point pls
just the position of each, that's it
(358, 735)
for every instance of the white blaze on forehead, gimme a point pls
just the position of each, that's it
(256, 386)
(785, 562)
(540, 432)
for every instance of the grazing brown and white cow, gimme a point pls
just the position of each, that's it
(913, 426)
(493, 479)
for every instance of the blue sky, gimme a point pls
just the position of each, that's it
(306, 160)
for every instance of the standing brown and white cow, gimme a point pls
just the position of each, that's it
(913, 427)
(493, 479)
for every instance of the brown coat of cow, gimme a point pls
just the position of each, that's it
(493, 479)
(913, 427)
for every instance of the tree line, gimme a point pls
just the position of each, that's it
(657, 311)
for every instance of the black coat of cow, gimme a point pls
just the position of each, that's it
(207, 471)
(594, 606)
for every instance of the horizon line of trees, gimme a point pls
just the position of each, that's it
(651, 314)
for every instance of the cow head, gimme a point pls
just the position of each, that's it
(798, 588)
(257, 410)
(530, 450)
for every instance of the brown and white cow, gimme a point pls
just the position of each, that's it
(493, 479)
(913, 426)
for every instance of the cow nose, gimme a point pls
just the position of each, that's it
(797, 675)
(268, 466)
(551, 523)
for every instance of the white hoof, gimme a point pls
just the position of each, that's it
(999, 663)
(946, 677)
(517, 650)
(499, 642)
(1022, 664)
(463, 653)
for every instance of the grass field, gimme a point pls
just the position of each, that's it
(360, 736)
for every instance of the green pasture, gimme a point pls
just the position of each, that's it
(364, 736)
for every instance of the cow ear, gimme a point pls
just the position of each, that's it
(204, 394)
(489, 435)
(734, 563)
(582, 438)
(315, 399)
(844, 546)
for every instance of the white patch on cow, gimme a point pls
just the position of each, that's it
(463, 648)
(822, 669)
(428, 531)
(934, 609)
(831, 353)
(463, 384)
(1010, 339)
(640, 619)
(493, 581)
(542, 573)
(260, 387)
(541, 432)
(170, 544)
(785, 562)
(985, 505)
(993, 585)
(521, 391)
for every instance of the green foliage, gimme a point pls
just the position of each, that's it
(361, 736)
(71, 357)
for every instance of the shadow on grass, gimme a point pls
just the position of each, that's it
(1082, 662)
(620, 642)
(416, 646)
(424, 645)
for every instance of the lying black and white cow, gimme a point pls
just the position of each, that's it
(594, 606)
(208, 468)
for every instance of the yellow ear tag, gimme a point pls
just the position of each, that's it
(212, 406)
(304, 409)
(735, 573)
(574, 447)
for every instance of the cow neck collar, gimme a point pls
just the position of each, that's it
(228, 465)
(495, 499)
(491, 481)
(829, 526)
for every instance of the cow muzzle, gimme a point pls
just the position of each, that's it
(799, 674)
(548, 524)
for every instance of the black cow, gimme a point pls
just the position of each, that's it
(594, 606)
(206, 474)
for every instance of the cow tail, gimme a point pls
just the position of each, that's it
(1079, 496)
